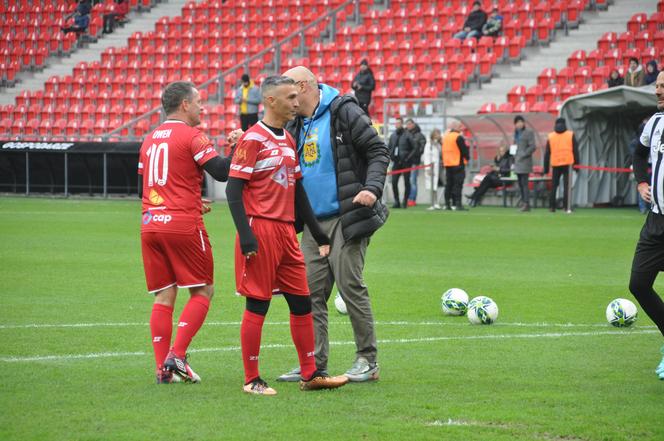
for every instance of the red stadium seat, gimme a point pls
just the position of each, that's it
(516, 95)
(488, 108)
(547, 77)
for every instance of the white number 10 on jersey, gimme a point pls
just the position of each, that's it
(158, 164)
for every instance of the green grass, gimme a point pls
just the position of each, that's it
(527, 377)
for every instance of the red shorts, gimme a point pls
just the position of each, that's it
(171, 259)
(279, 265)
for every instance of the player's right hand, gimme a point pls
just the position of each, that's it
(249, 246)
(644, 191)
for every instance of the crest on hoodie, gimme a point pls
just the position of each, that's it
(310, 151)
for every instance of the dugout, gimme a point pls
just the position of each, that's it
(491, 130)
(604, 123)
(92, 168)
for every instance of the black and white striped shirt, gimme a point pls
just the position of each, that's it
(652, 138)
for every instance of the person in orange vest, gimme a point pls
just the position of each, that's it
(561, 152)
(455, 157)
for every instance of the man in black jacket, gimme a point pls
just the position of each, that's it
(473, 24)
(344, 163)
(403, 149)
(363, 85)
(420, 141)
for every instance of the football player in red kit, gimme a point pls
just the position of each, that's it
(175, 245)
(264, 190)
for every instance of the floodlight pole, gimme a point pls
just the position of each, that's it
(105, 183)
(27, 173)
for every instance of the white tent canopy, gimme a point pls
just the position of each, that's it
(604, 123)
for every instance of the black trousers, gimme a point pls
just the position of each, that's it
(247, 120)
(492, 180)
(395, 184)
(648, 262)
(523, 187)
(454, 177)
(556, 173)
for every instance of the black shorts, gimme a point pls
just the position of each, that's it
(649, 255)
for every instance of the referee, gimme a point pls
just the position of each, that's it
(649, 254)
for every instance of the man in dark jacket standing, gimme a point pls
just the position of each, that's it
(402, 153)
(363, 85)
(344, 163)
(561, 152)
(420, 141)
(524, 139)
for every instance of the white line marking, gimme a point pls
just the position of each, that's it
(68, 357)
(461, 322)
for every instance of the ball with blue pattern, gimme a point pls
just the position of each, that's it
(455, 302)
(621, 313)
(482, 310)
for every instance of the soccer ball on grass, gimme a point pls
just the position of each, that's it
(621, 313)
(482, 311)
(340, 304)
(455, 302)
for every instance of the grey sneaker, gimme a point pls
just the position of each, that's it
(294, 375)
(362, 370)
(291, 376)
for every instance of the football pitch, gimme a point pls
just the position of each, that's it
(76, 352)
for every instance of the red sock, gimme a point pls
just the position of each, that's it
(250, 339)
(302, 332)
(191, 320)
(161, 327)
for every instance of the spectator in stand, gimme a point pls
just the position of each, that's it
(455, 157)
(502, 167)
(494, 24)
(363, 85)
(562, 151)
(248, 96)
(432, 154)
(651, 72)
(402, 148)
(524, 139)
(615, 79)
(474, 23)
(116, 14)
(420, 142)
(634, 75)
(81, 17)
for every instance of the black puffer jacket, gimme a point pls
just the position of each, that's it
(402, 148)
(361, 160)
(420, 142)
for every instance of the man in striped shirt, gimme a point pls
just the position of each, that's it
(649, 255)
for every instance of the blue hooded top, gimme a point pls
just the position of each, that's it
(319, 174)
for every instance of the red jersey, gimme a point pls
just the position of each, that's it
(171, 162)
(270, 166)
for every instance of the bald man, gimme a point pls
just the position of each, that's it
(344, 163)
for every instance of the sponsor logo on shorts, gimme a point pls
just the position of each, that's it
(150, 217)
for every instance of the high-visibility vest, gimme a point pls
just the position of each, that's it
(562, 148)
(450, 151)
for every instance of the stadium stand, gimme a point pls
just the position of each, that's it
(409, 46)
(589, 71)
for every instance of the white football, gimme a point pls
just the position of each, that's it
(340, 304)
(454, 302)
(621, 313)
(482, 311)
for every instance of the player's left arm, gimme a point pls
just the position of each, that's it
(304, 212)
(369, 145)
